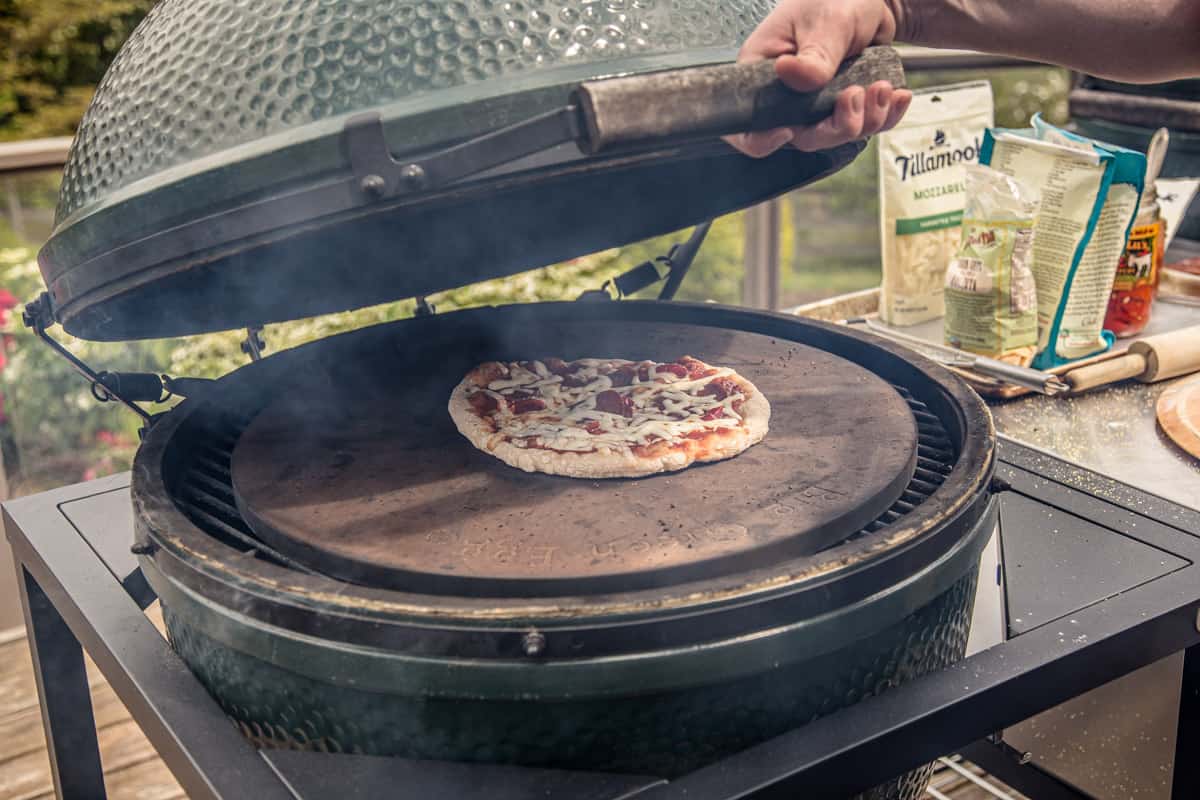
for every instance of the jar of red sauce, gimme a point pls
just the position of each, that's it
(1138, 271)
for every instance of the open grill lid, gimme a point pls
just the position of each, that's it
(251, 162)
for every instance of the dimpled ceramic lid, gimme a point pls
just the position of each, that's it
(175, 217)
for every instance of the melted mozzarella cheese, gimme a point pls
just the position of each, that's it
(569, 409)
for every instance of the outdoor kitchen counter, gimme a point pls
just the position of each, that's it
(1112, 431)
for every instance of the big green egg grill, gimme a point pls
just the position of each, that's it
(337, 565)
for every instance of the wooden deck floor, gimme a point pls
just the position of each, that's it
(133, 771)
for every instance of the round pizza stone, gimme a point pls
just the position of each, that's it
(358, 471)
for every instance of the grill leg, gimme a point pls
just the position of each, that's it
(66, 701)
(1186, 780)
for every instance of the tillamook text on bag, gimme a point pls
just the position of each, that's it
(921, 195)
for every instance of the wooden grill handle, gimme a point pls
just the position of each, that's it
(707, 102)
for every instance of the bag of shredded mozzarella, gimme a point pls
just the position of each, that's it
(991, 300)
(921, 164)
(1089, 198)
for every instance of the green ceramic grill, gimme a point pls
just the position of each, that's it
(341, 569)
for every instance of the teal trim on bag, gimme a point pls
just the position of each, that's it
(1121, 166)
(1124, 167)
(1048, 357)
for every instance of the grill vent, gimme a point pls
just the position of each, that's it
(935, 460)
(204, 492)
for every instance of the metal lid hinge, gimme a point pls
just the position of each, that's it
(126, 388)
(254, 344)
(380, 175)
(672, 268)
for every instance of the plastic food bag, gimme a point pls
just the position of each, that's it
(1089, 196)
(921, 164)
(991, 302)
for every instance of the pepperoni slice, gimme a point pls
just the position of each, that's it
(557, 366)
(487, 372)
(720, 388)
(593, 427)
(574, 380)
(713, 413)
(678, 370)
(483, 403)
(614, 403)
(525, 405)
(623, 375)
(696, 369)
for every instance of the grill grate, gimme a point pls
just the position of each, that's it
(935, 460)
(204, 492)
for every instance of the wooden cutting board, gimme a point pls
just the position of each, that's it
(1178, 413)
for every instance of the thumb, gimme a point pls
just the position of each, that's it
(813, 66)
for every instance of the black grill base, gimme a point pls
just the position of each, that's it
(665, 734)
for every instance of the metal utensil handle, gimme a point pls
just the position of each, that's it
(1043, 382)
(706, 102)
(1027, 377)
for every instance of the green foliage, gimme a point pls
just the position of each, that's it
(53, 55)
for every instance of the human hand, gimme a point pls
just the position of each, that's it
(810, 39)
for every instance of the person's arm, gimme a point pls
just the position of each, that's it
(1128, 40)
(1142, 41)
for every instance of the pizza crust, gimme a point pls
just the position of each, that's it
(615, 463)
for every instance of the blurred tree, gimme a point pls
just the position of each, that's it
(52, 55)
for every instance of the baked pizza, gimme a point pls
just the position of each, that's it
(608, 418)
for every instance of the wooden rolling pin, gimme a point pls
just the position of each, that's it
(1155, 358)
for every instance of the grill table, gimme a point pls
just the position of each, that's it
(1112, 586)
